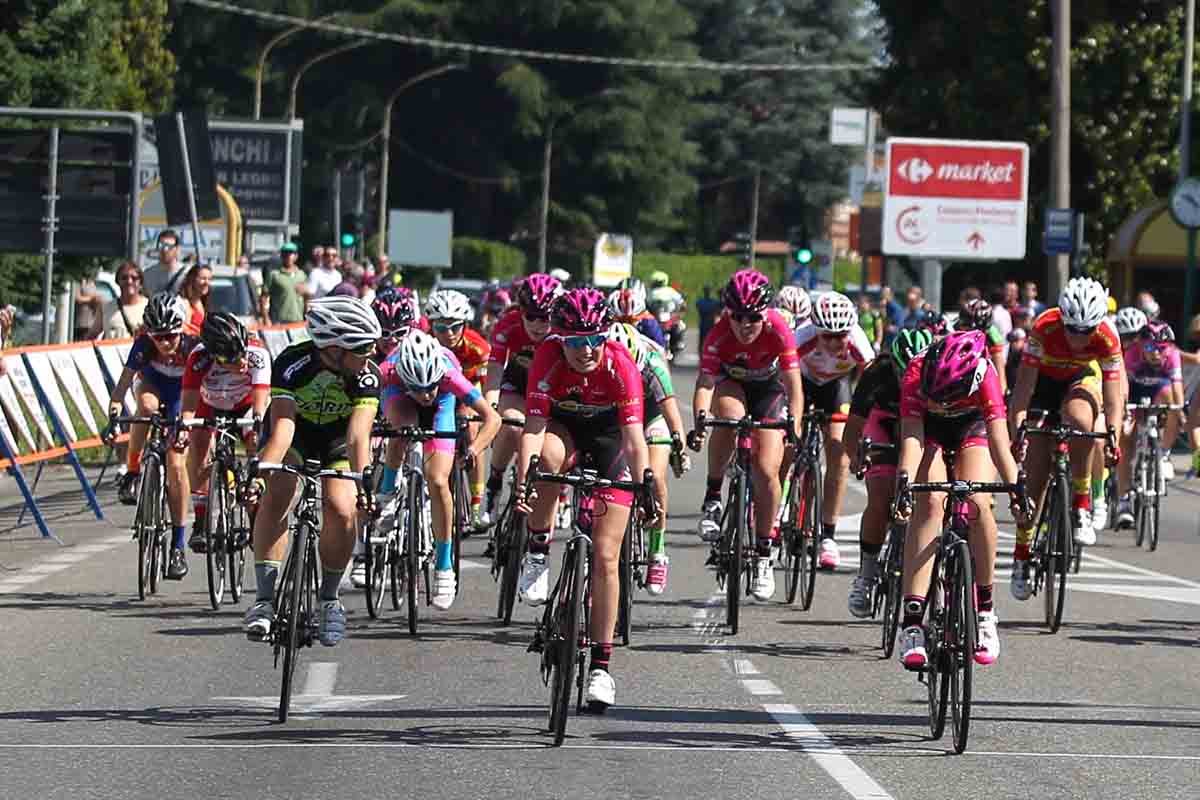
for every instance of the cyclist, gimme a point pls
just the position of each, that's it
(584, 400)
(514, 340)
(661, 290)
(875, 410)
(664, 436)
(932, 320)
(492, 305)
(157, 359)
(450, 314)
(832, 349)
(628, 303)
(749, 366)
(1129, 322)
(1155, 375)
(227, 374)
(976, 315)
(794, 304)
(560, 275)
(950, 399)
(324, 398)
(1071, 367)
(423, 388)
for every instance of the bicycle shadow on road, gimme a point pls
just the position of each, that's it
(1146, 632)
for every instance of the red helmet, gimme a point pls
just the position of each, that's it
(538, 292)
(581, 311)
(747, 290)
(955, 367)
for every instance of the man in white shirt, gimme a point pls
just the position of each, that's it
(324, 276)
(168, 273)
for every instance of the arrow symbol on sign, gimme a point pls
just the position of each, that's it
(976, 240)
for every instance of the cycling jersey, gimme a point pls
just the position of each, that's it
(143, 356)
(512, 350)
(324, 398)
(222, 388)
(1054, 358)
(771, 351)
(819, 365)
(987, 400)
(648, 326)
(439, 415)
(608, 396)
(656, 385)
(472, 352)
(1147, 380)
(879, 387)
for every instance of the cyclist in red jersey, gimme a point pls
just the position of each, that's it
(514, 339)
(449, 314)
(228, 374)
(585, 399)
(1068, 346)
(749, 366)
(950, 398)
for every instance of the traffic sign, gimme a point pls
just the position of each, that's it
(946, 198)
(1058, 236)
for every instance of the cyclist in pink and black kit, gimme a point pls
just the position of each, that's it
(950, 398)
(749, 366)
(514, 339)
(585, 402)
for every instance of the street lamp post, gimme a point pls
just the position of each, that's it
(261, 67)
(385, 135)
(312, 62)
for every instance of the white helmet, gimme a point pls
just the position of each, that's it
(628, 302)
(633, 340)
(1130, 320)
(420, 361)
(345, 322)
(1084, 303)
(794, 300)
(561, 274)
(449, 304)
(834, 313)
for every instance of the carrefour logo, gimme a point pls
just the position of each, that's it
(915, 170)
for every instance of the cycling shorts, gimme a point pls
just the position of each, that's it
(313, 442)
(657, 432)
(883, 428)
(833, 398)
(766, 401)
(599, 447)
(1050, 394)
(169, 390)
(514, 378)
(1138, 391)
(955, 433)
(439, 417)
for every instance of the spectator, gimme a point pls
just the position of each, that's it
(243, 264)
(315, 259)
(1016, 348)
(871, 321)
(890, 311)
(1001, 316)
(910, 315)
(124, 316)
(352, 281)
(388, 274)
(6, 322)
(282, 298)
(324, 277)
(89, 311)
(197, 290)
(1012, 295)
(168, 273)
(1147, 303)
(1029, 301)
(1022, 319)
(709, 309)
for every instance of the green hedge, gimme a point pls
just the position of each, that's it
(480, 258)
(691, 273)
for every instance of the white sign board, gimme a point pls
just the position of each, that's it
(420, 238)
(848, 126)
(8, 400)
(612, 259)
(24, 386)
(39, 363)
(68, 376)
(956, 199)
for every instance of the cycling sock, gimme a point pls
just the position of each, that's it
(1081, 489)
(1024, 537)
(265, 573)
(199, 505)
(713, 492)
(983, 597)
(387, 484)
(601, 654)
(914, 610)
(658, 541)
(331, 581)
(443, 554)
(177, 536)
(1098, 488)
(133, 460)
(477, 494)
(764, 547)
(828, 529)
(495, 480)
(1021, 551)
(539, 541)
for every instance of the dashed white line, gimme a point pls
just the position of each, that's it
(760, 687)
(826, 754)
(743, 666)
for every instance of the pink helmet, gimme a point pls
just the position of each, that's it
(498, 300)
(955, 367)
(582, 311)
(538, 292)
(747, 290)
(394, 309)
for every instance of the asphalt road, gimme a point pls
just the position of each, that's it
(106, 696)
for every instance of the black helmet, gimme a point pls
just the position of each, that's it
(223, 335)
(165, 313)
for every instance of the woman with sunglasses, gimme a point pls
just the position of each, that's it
(125, 320)
(749, 366)
(227, 374)
(1155, 374)
(514, 339)
(1073, 369)
(157, 359)
(450, 313)
(423, 389)
(584, 404)
(832, 350)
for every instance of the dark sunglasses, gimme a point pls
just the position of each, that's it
(536, 317)
(1081, 330)
(1154, 347)
(832, 336)
(590, 340)
(747, 318)
(365, 351)
(423, 389)
(168, 245)
(165, 336)
(448, 327)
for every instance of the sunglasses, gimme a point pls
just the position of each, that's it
(423, 389)
(127, 278)
(448, 327)
(165, 337)
(365, 351)
(537, 317)
(591, 340)
(1080, 330)
(829, 337)
(1154, 347)
(747, 318)
(395, 333)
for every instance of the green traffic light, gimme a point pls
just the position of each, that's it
(804, 255)
(347, 240)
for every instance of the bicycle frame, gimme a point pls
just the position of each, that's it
(1149, 486)
(151, 518)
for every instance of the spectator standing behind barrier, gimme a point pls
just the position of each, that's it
(196, 290)
(324, 277)
(1029, 299)
(282, 298)
(910, 315)
(352, 281)
(6, 322)
(168, 273)
(123, 317)
(89, 311)
(871, 321)
(1016, 348)
(709, 310)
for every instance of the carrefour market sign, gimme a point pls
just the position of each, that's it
(948, 198)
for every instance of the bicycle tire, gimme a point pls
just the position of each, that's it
(143, 523)
(214, 541)
(462, 524)
(413, 549)
(1155, 500)
(569, 613)
(792, 552)
(375, 563)
(515, 544)
(964, 637)
(395, 563)
(244, 529)
(1139, 500)
(810, 533)
(152, 493)
(732, 541)
(292, 614)
(934, 680)
(893, 568)
(625, 584)
(1056, 554)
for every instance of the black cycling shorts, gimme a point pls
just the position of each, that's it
(313, 442)
(833, 398)
(955, 433)
(766, 401)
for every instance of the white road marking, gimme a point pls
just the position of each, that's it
(322, 675)
(466, 563)
(760, 687)
(828, 756)
(66, 558)
(743, 666)
(317, 697)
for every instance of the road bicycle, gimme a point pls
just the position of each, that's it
(885, 595)
(1149, 485)
(801, 511)
(297, 611)
(152, 519)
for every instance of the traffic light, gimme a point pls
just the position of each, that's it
(352, 230)
(802, 252)
(742, 246)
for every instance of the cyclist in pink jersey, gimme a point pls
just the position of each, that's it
(950, 398)
(749, 366)
(585, 402)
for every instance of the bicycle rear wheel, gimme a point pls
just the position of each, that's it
(565, 633)
(513, 549)
(625, 582)
(810, 532)
(890, 587)
(732, 540)
(414, 548)
(935, 679)
(291, 614)
(1159, 487)
(215, 527)
(961, 639)
(1056, 554)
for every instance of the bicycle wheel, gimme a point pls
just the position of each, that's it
(793, 553)
(625, 583)
(1155, 498)
(1056, 553)
(152, 496)
(396, 560)
(214, 536)
(414, 545)
(733, 535)
(890, 587)
(462, 524)
(291, 614)
(514, 545)
(938, 688)
(810, 532)
(961, 638)
(239, 530)
(565, 633)
(147, 536)
(1141, 482)
(374, 567)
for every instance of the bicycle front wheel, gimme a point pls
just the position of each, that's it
(793, 552)
(733, 541)
(935, 679)
(566, 631)
(1159, 487)
(890, 587)
(625, 583)
(291, 615)
(214, 536)
(147, 535)
(238, 540)
(1056, 554)
(810, 533)
(961, 639)
(374, 569)
(152, 496)
(511, 546)
(415, 548)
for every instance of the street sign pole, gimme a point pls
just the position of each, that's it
(1185, 144)
(51, 225)
(191, 187)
